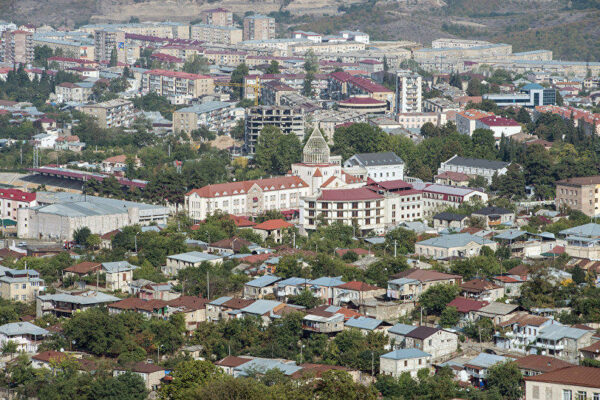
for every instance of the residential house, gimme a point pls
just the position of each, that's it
(438, 197)
(466, 120)
(397, 362)
(355, 291)
(474, 167)
(366, 325)
(511, 284)
(106, 239)
(570, 383)
(324, 287)
(177, 262)
(82, 269)
(148, 290)
(520, 332)
(228, 246)
(579, 193)
(481, 289)
(408, 285)
(25, 335)
(151, 374)
(66, 304)
(192, 307)
(452, 179)
(48, 359)
(272, 229)
(260, 287)
(13, 199)
(477, 367)
(380, 167)
(463, 245)
(225, 307)
(439, 343)
(494, 216)
(119, 274)
(536, 364)
(290, 287)
(563, 341)
(397, 335)
(450, 220)
(327, 319)
(465, 306)
(583, 241)
(497, 312)
(147, 308)
(20, 284)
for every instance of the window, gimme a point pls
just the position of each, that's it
(567, 395)
(581, 395)
(596, 396)
(535, 393)
(405, 363)
(420, 361)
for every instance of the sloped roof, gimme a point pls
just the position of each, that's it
(242, 187)
(541, 363)
(84, 267)
(422, 332)
(273, 224)
(456, 240)
(425, 275)
(263, 281)
(403, 354)
(363, 323)
(575, 375)
(465, 305)
(477, 163)
(375, 159)
(358, 286)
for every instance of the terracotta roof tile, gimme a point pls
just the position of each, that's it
(273, 224)
(541, 363)
(83, 268)
(576, 376)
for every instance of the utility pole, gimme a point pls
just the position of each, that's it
(372, 363)
(395, 248)
(207, 286)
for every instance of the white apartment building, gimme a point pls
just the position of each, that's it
(386, 166)
(436, 197)
(177, 86)
(417, 120)
(13, 199)
(408, 92)
(246, 197)
(474, 167)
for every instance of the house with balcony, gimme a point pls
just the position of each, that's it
(582, 241)
(462, 245)
(324, 287)
(286, 288)
(520, 332)
(327, 319)
(477, 367)
(25, 335)
(494, 216)
(366, 325)
(20, 284)
(355, 291)
(66, 304)
(563, 341)
(408, 285)
(260, 287)
(481, 289)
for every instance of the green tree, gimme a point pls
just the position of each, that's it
(276, 152)
(360, 138)
(307, 89)
(273, 67)
(93, 241)
(237, 76)
(311, 62)
(81, 235)
(338, 385)
(113, 58)
(189, 377)
(435, 298)
(507, 379)
(306, 299)
(127, 386)
(402, 240)
(449, 317)
(196, 64)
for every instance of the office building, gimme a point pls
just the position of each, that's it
(259, 27)
(408, 92)
(530, 95)
(289, 119)
(111, 114)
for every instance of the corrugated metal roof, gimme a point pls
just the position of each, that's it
(363, 323)
(22, 328)
(401, 329)
(402, 354)
(263, 281)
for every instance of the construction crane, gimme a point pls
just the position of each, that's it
(255, 86)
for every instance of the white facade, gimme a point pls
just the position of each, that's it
(11, 200)
(408, 92)
(396, 367)
(499, 130)
(474, 167)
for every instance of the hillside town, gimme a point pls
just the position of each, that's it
(223, 209)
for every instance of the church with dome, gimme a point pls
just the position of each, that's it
(320, 170)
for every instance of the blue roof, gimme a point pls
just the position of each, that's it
(260, 307)
(532, 86)
(363, 323)
(194, 257)
(558, 332)
(401, 329)
(510, 235)
(403, 281)
(263, 365)
(220, 300)
(457, 240)
(375, 240)
(327, 281)
(265, 280)
(486, 360)
(22, 328)
(587, 230)
(293, 281)
(118, 266)
(402, 354)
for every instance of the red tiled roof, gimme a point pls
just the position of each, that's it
(273, 224)
(141, 367)
(362, 100)
(166, 58)
(133, 303)
(365, 84)
(234, 243)
(318, 173)
(523, 319)
(478, 285)
(49, 355)
(358, 286)
(541, 363)
(498, 121)
(464, 305)
(237, 304)
(425, 275)
(455, 176)
(240, 188)
(357, 251)
(256, 258)
(189, 303)
(110, 235)
(8, 253)
(357, 194)
(232, 361)
(241, 222)
(575, 376)
(16, 194)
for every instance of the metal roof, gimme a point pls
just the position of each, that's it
(374, 159)
(293, 281)
(456, 240)
(264, 364)
(363, 323)
(118, 266)
(194, 257)
(587, 230)
(220, 300)
(401, 329)
(403, 354)
(477, 163)
(559, 332)
(260, 307)
(510, 235)
(22, 328)
(91, 298)
(485, 360)
(327, 281)
(263, 281)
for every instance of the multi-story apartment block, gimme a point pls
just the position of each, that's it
(111, 114)
(288, 119)
(416, 120)
(447, 43)
(474, 167)
(17, 47)
(107, 40)
(440, 105)
(215, 115)
(171, 30)
(359, 207)
(402, 202)
(246, 197)
(216, 34)
(217, 16)
(77, 48)
(437, 197)
(79, 92)
(259, 27)
(408, 92)
(342, 85)
(177, 86)
(581, 194)
(13, 199)
(20, 284)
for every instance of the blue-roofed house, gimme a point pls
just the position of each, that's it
(119, 274)
(366, 325)
(478, 366)
(65, 304)
(397, 362)
(20, 284)
(398, 332)
(181, 261)
(323, 287)
(262, 308)
(260, 287)
(262, 365)
(290, 287)
(456, 245)
(563, 341)
(26, 335)
(583, 241)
